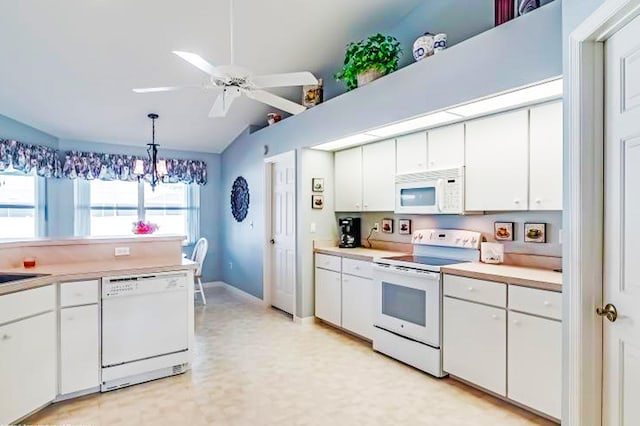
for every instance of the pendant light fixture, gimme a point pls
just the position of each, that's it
(158, 168)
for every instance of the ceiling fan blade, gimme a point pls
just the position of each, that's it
(275, 101)
(283, 80)
(198, 62)
(223, 102)
(160, 89)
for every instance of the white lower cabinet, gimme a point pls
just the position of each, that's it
(79, 349)
(329, 296)
(357, 305)
(475, 344)
(535, 362)
(28, 366)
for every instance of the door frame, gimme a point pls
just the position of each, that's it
(268, 208)
(584, 218)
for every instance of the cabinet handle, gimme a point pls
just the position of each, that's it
(77, 294)
(517, 201)
(346, 280)
(471, 289)
(538, 201)
(494, 316)
(70, 318)
(6, 337)
(516, 322)
(357, 268)
(547, 303)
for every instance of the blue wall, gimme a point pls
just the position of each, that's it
(474, 68)
(59, 192)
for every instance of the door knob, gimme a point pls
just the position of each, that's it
(609, 311)
(273, 241)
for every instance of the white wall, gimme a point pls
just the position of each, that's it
(312, 164)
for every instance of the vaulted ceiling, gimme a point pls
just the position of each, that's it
(68, 66)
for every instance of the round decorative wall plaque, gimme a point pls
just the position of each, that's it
(240, 199)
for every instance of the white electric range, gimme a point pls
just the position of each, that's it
(408, 296)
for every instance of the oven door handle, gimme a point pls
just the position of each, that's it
(401, 270)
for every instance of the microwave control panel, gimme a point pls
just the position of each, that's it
(452, 195)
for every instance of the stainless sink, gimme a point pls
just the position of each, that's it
(13, 277)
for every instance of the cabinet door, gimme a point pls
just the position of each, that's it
(348, 180)
(357, 305)
(535, 363)
(446, 147)
(378, 176)
(28, 368)
(545, 161)
(328, 296)
(79, 349)
(497, 162)
(474, 344)
(411, 151)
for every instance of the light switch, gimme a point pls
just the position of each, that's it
(312, 228)
(122, 251)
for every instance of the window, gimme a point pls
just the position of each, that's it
(19, 213)
(109, 208)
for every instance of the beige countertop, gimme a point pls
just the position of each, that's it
(518, 275)
(87, 271)
(359, 253)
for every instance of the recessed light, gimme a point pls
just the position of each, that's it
(346, 142)
(537, 93)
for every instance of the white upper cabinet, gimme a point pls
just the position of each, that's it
(348, 178)
(545, 161)
(446, 147)
(378, 176)
(497, 162)
(411, 153)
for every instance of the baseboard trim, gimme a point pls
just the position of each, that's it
(304, 321)
(235, 290)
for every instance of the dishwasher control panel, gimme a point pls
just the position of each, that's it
(143, 284)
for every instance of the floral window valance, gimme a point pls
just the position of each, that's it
(28, 159)
(89, 165)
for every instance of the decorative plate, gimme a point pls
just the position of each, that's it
(240, 199)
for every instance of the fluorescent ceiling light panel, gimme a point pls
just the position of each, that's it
(414, 124)
(539, 92)
(346, 142)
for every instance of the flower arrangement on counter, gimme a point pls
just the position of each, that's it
(144, 228)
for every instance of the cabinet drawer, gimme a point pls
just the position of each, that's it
(27, 303)
(534, 301)
(79, 293)
(487, 292)
(359, 268)
(331, 263)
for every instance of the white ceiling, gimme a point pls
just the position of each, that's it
(68, 66)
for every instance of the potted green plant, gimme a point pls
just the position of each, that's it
(369, 59)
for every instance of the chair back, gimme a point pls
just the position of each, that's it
(199, 253)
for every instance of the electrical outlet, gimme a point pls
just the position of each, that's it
(376, 227)
(122, 251)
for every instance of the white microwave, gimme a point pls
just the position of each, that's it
(432, 192)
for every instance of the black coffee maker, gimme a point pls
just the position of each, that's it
(349, 232)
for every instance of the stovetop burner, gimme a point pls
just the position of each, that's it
(426, 260)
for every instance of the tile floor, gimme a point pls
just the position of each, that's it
(255, 367)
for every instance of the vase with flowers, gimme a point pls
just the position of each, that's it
(144, 228)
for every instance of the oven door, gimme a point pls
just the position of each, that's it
(421, 197)
(407, 302)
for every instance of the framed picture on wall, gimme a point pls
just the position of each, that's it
(317, 184)
(503, 231)
(404, 226)
(535, 232)
(387, 226)
(317, 201)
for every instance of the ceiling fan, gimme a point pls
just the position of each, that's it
(233, 81)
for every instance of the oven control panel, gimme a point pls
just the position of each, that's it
(447, 238)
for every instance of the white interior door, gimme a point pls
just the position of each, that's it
(283, 217)
(621, 362)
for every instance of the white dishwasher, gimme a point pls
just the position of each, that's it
(145, 325)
